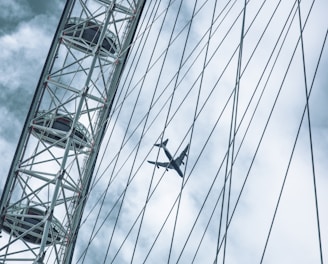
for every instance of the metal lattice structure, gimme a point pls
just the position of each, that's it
(47, 186)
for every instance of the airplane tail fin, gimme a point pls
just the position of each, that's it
(163, 144)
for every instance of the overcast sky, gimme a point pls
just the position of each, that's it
(26, 31)
(27, 28)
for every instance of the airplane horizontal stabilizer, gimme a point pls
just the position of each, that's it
(163, 144)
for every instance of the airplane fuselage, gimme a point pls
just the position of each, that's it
(172, 164)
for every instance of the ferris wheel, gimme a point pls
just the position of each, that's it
(174, 132)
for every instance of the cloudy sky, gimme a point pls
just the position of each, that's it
(27, 28)
(179, 85)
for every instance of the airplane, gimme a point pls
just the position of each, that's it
(173, 163)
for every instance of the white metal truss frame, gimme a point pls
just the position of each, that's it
(48, 182)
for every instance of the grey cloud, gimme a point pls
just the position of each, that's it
(12, 13)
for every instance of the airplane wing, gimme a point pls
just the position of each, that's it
(162, 164)
(179, 159)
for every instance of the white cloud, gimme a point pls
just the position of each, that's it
(24, 51)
